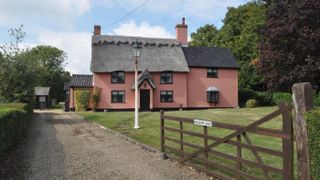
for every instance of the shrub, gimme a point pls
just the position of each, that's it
(251, 103)
(245, 95)
(313, 126)
(264, 99)
(13, 122)
(82, 100)
(95, 99)
(278, 97)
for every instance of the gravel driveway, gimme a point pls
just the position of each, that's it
(63, 146)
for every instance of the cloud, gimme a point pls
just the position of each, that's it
(77, 45)
(41, 11)
(131, 28)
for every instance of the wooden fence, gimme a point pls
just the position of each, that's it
(202, 157)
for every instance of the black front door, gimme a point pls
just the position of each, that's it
(144, 100)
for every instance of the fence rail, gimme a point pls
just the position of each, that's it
(238, 139)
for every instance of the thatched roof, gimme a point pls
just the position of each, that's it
(113, 53)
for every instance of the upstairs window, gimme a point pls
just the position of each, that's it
(117, 77)
(166, 96)
(212, 73)
(213, 97)
(166, 78)
(117, 96)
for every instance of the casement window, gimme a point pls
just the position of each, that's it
(166, 78)
(213, 96)
(212, 73)
(117, 77)
(166, 96)
(117, 96)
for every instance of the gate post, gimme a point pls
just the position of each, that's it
(162, 154)
(287, 143)
(303, 101)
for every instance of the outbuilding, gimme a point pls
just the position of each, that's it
(42, 97)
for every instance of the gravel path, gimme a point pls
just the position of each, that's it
(63, 146)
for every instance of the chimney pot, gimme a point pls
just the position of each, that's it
(183, 21)
(97, 30)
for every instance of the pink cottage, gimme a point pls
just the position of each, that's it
(172, 75)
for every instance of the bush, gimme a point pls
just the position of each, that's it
(278, 97)
(95, 99)
(13, 122)
(245, 95)
(313, 126)
(264, 99)
(82, 100)
(251, 103)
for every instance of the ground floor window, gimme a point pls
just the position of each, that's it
(213, 96)
(166, 96)
(117, 96)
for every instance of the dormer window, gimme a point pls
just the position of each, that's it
(166, 78)
(117, 77)
(212, 73)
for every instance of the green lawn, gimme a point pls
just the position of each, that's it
(149, 133)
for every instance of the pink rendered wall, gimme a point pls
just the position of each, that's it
(179, 86)
(227, 83)
(103, 81)
(71, 102)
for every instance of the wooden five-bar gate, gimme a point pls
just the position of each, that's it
(204, 158)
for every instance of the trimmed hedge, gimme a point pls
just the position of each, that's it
(13, 122)
(263, 98)
(313, 126)
(82, 100)
(279, 97)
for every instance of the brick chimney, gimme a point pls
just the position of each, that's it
(182, 32)
(97, 30)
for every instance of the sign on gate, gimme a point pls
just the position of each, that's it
(202, 122)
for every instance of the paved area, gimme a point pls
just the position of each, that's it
(63, 146)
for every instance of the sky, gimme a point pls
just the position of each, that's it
(68, 24)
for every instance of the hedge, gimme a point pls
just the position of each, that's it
(263, 98)
(82, 100)
(13, 122)
(313, 126)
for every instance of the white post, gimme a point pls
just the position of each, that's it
(136, 116)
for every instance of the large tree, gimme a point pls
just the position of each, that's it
(204, 36)
(23, 68)
(50, 68)
(290, 49)
(240, 33)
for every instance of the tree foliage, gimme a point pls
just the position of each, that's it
(290, 49)
(24, 68)
(50, 68)
(240, 33)
(204, 36)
